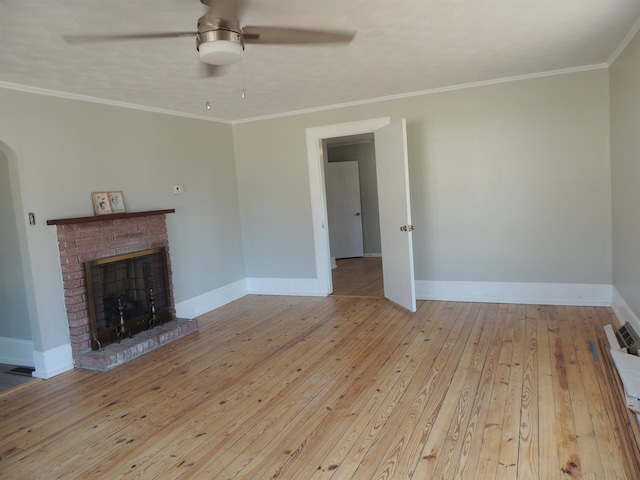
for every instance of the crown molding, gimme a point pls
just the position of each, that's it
(86, 98)
(483, 83)
(102, 101)
(625, 42)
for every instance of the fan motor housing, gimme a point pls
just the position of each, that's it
(219, 34)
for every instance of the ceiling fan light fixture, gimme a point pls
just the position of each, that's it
(220, 52)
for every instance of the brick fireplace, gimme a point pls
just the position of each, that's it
(87, 239)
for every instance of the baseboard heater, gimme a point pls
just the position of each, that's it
(624, 345)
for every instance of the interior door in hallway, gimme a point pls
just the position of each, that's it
(342, 180)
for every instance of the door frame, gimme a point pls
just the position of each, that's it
(315, 158)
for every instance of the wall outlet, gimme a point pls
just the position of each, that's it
(178, 189)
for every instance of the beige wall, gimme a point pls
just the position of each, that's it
(510, 182)
(625, 159)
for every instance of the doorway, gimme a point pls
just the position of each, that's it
(16, 345)
(393, 191)
(352, 213)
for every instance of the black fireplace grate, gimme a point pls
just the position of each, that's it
(127, 294)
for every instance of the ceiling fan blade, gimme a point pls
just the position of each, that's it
(285, 35)
(91, 38)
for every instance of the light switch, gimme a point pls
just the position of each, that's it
(178, 189)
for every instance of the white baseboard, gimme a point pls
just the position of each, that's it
(58, 360)
(53, 362)
(259, 286)
(211, 300)
(624, 312)
(285, 286)
(485, 292)
(15, 351)
(514, 292)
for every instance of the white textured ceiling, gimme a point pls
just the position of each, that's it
(401, 47)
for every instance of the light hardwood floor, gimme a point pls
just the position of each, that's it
(336, 387)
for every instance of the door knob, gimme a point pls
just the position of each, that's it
(357, 214)
(407, 228)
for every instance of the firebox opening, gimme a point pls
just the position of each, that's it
(127, 294)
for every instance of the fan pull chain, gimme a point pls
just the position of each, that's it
(244, 94)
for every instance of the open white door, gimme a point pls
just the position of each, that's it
(396, 235)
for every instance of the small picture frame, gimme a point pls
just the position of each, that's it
(101, 203)
(117, 202)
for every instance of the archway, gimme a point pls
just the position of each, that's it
(16, 342)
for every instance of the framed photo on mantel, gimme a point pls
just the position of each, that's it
(105, 203)
(101, 203)
(117, 202)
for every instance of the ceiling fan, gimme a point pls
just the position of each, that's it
(219, 38)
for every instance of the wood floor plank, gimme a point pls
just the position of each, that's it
(339, 388)
(490, 445)
(567, 444)
(548, 455)
(508, 465)
(528, 449)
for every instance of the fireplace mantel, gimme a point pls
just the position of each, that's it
(110, 216)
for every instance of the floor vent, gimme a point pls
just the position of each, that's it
(628, 338)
